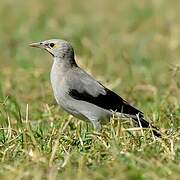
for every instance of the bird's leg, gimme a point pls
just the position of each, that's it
(97, 125)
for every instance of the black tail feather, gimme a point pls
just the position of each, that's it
(146, 124)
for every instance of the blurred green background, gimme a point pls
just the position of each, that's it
(133, 47)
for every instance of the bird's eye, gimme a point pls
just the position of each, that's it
(51, 44)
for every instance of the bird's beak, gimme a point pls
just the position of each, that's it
(41, 45)
(37, 45)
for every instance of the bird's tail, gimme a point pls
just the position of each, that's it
(139, 119)
(145, 124)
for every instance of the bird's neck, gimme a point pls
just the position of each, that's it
(59, 70)
(63, 64)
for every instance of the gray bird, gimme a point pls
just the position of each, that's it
(80, 94)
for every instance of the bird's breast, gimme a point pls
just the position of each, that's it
(58, 83)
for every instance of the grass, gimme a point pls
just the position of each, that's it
(130, 46)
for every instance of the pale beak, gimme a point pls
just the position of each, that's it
(37, 45)
(41, 45)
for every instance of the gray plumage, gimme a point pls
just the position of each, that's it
(80, 94)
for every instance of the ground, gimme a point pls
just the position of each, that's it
(132, 47)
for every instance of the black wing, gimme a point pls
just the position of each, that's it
(108, 101)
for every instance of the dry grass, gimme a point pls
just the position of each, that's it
(132, 47)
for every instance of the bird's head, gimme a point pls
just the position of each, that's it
(56, 47)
